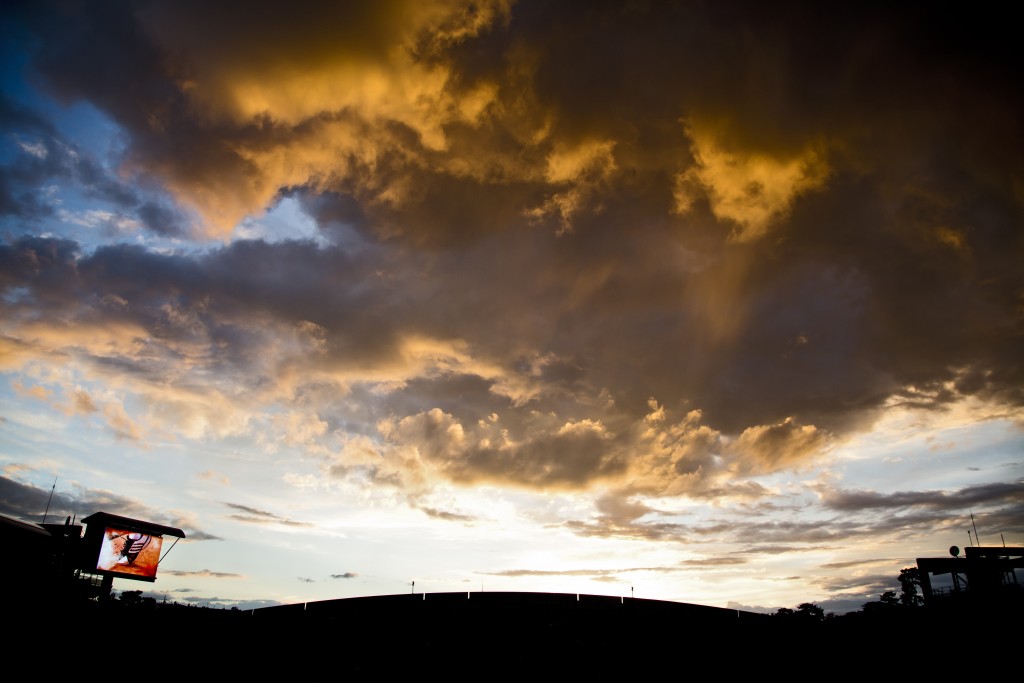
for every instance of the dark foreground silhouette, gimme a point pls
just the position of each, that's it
(493, 635)
(60, 625)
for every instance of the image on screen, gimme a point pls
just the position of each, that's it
(124, 551)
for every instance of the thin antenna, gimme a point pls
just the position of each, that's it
(413, 589)
(47, 511)
(976, 537)
(1003, 539)
(969, 540)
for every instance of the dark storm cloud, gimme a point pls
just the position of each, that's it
(26, 502)
(871, 585)
(1001, 514)
(786, 217)
(161, 219)
(30, 503)
(218, 294)
(42, 266)
(1010, 493)
(1004, 521)
(19, 183)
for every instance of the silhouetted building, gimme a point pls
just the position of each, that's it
(987, 576)
(49, 562)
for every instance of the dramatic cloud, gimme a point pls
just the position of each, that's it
(659, 266)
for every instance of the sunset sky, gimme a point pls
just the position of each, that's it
(717, 302)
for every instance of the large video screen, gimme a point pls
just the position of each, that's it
(128, 552)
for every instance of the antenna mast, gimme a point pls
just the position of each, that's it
(47, 511)
(976, 537)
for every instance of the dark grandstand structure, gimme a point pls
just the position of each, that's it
(62, 562)
(55, 605)
(987, 575)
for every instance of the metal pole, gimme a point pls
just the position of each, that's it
(168, 550)
(47, 511)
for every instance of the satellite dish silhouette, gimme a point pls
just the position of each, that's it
(954, 551)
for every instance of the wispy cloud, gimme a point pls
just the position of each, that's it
(447, 516)
(203, 573)
(986, 494)
(715, 562)
(252, 515)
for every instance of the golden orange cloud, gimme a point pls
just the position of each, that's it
(750, 188)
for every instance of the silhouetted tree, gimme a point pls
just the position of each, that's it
(131, 597)
(809, 610)
(805, 611)
(889, 598)
(886, 602)
(910, 580)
